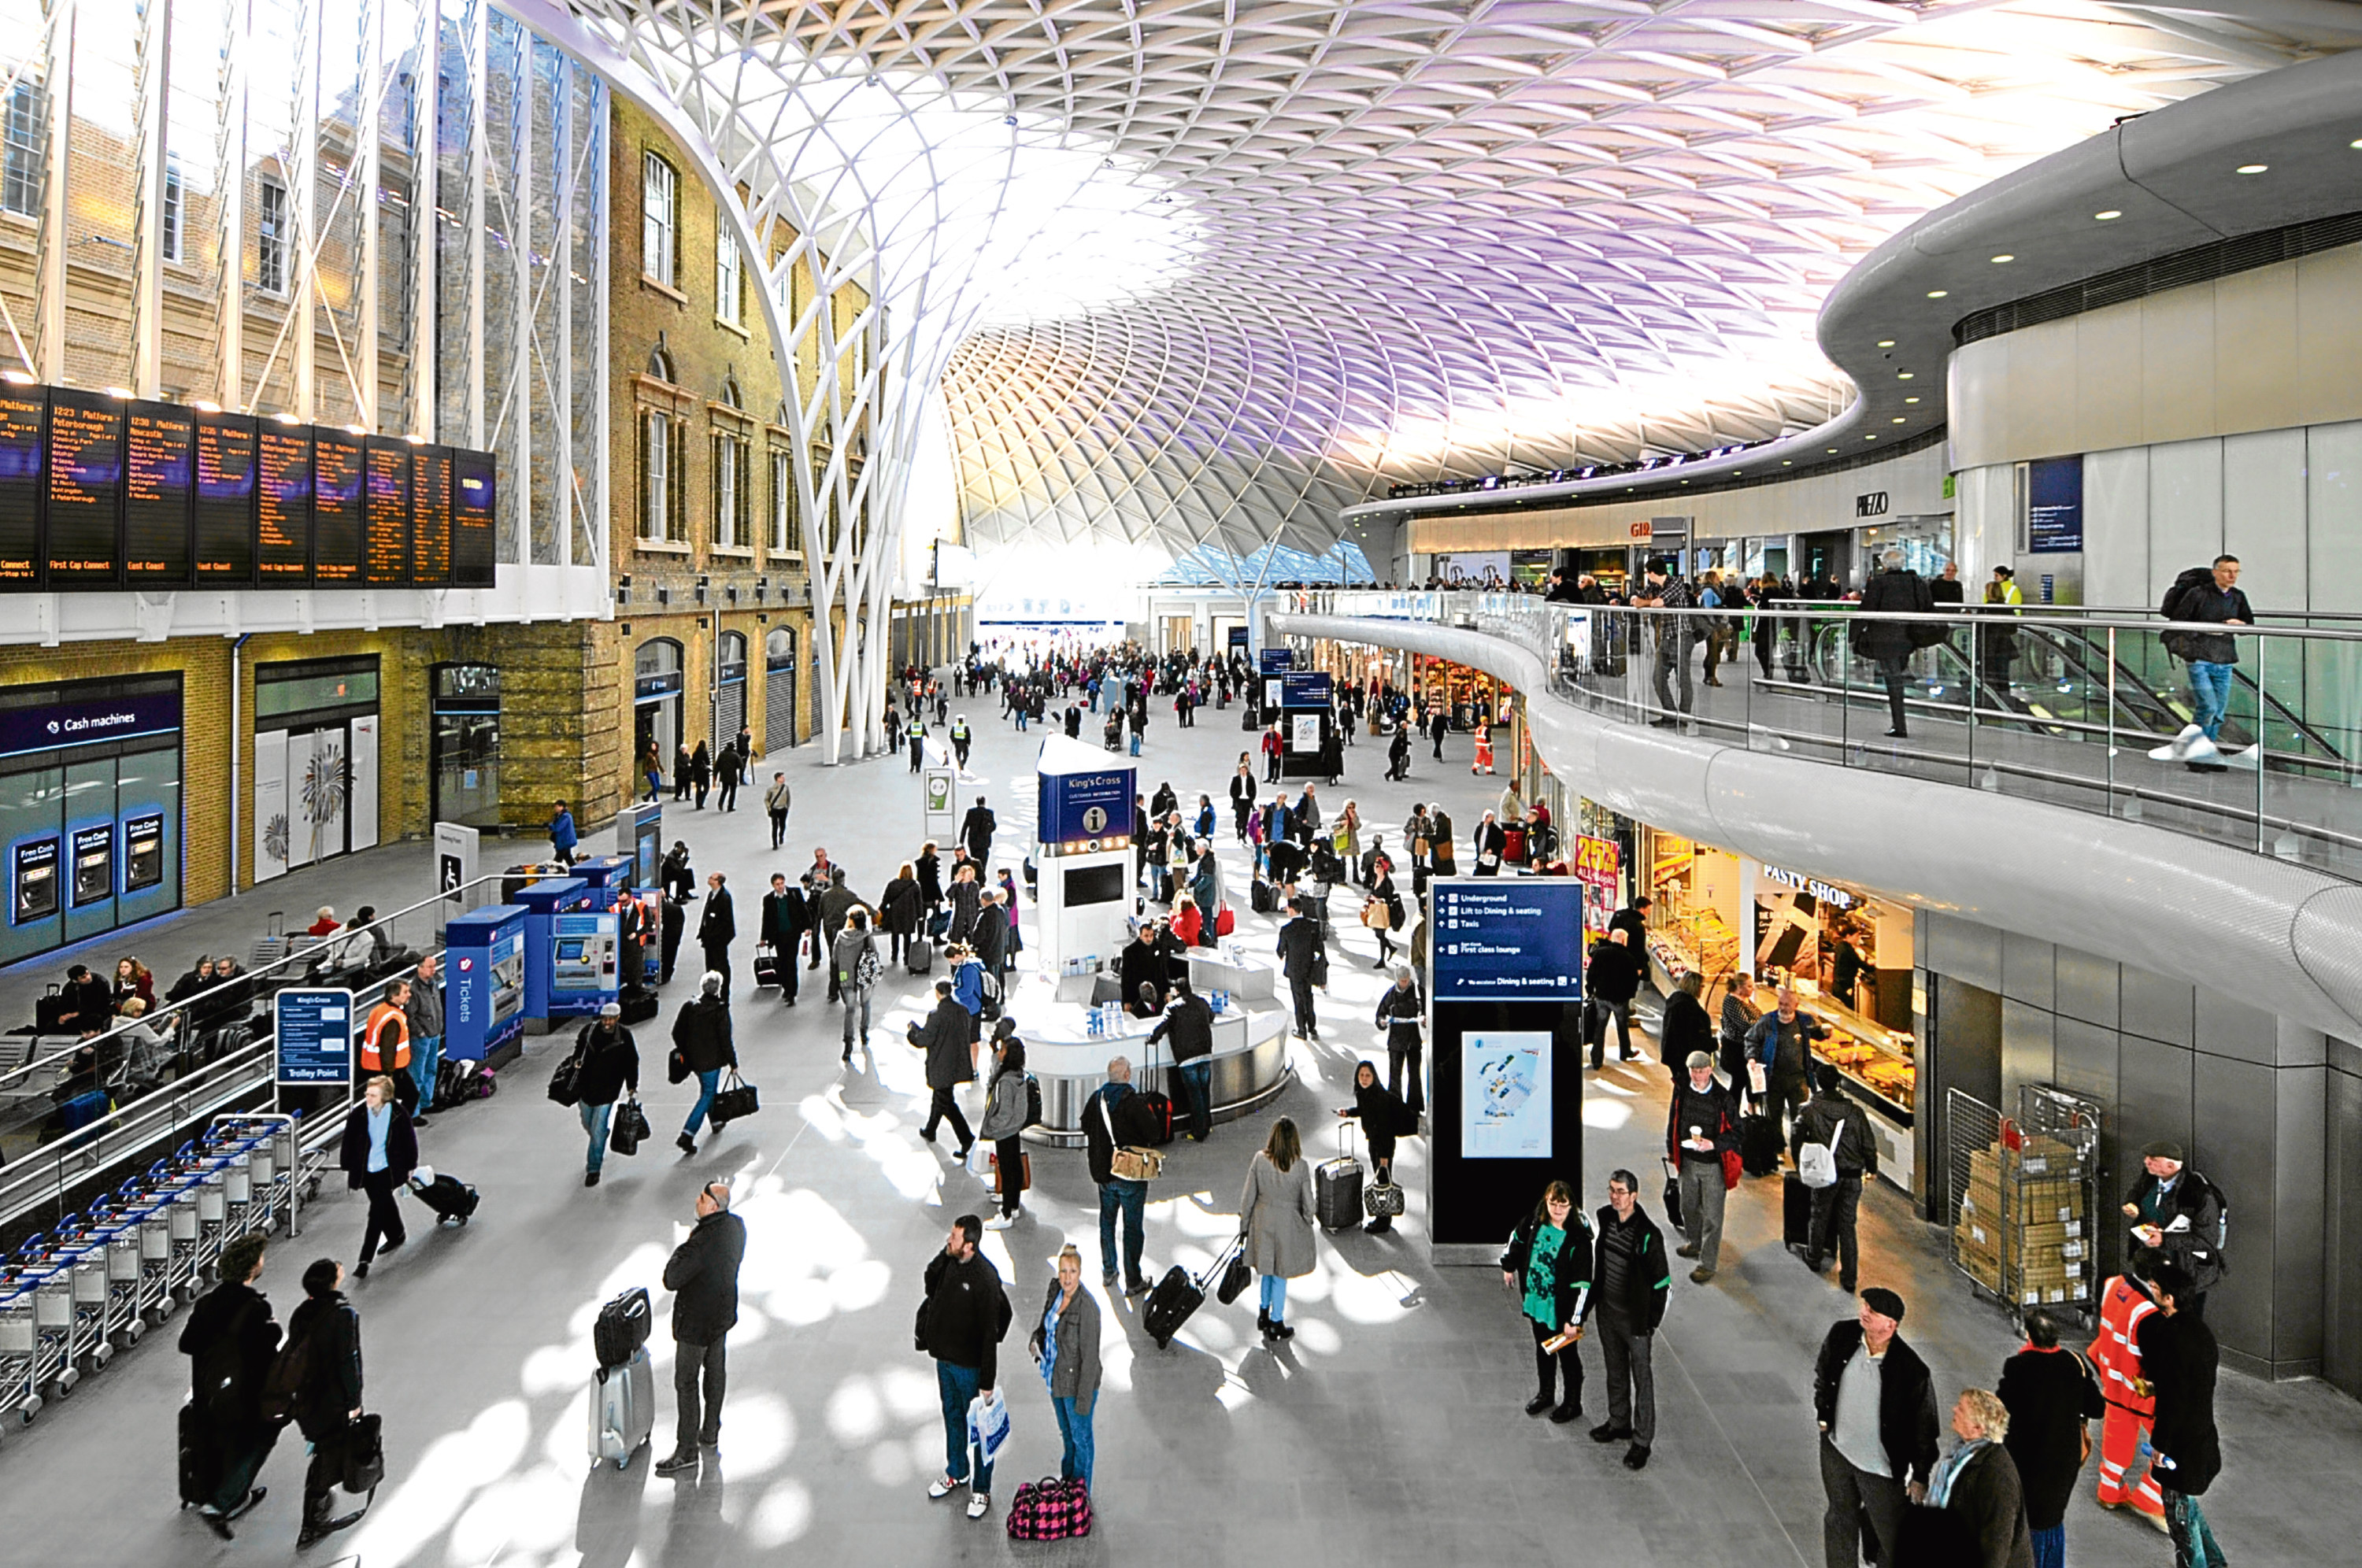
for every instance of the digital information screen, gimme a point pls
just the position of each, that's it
(158, 470)
(85, 495)
(224, 501)
(430, 516)
(388, 554)
(283, 505)
(474, 542)
(1507, 939)
(337, 509)
(21, 410)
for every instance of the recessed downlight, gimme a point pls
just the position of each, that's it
(1870, 437)
(1937, 293)
(1833, 451)
(1911, 400)
(1905, 375)
(1785, 462)
(1999, 261)
(1900, 418)
(2111, 215)
(1886, 343)
(2253, 168)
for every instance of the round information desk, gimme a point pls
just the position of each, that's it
(1250, 1064)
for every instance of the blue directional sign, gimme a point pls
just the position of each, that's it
(1507, 939)
(1275, 661)
(1306, 689)
(316, 1036)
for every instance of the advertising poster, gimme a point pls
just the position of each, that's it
(1598, 867)
(1787, 932)
(1505, 1101)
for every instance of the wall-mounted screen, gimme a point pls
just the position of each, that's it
(474, 542)
(158, 469)
(283, 505)
(86, 493)
(21, 412)
(225, 500)
(430, 516)
(1095, 884)
(389, 511)
(337, 509)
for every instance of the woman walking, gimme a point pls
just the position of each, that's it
(1383, 895)
(1976, 1508)
(1346, 836)
(1066, 1347)
(330, 1398)
(1380, 1113)
(1276, 1213)
(855, 958)
(929, 867)
(1006, 1099)
(1549, 1262)
(899, 911)
(2051, 1393)
(378, 1153)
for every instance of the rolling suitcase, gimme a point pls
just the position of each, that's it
(623, 1409)
(918, 955)
(1797, 1214)
(450, 1198)
(1759, 1144)
(639, 1004)
(198, 1477)
(1337, 1189)
(767, 965)
(1179, 1295)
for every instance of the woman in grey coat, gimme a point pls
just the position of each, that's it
(1276, 1213)
(1065, 1345)
(1006, 1101)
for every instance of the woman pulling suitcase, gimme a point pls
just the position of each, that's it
(1276, 1212)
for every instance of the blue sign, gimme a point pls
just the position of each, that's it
(1306, 689)
(89, 719)
(1237, 637)
(316, 1036)
(1507, 939)
(2054, 506)
(1077, 806)
(1276, 661)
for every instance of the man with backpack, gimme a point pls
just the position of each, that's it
(1835, 1122)
(1190, 1023)
(2210, 596)
(230, 1340)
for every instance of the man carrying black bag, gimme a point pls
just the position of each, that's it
(606, 1063)
(702, 1275)
(323, 1346)
(230, 1342)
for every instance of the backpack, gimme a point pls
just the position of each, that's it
(1033, 1100)
(866, 968)
(283, 1385)
(219, 1372)
(2181, 644)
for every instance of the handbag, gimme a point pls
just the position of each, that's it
(1383, 1199)
(1226, 921)
(1759, 1082)
(1816, 1163)
(1024, 1170)
(1373, 915)
(630, 1128)
(1674, 1197)
(1129, 1164)
(736, 1099)
(987, 1426)
(364, 1454)
(676, 1067)
(565, 1077)
(1236, 1277)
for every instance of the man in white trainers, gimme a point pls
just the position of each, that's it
(962, 1323)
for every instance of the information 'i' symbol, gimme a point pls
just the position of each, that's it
(1094, 819)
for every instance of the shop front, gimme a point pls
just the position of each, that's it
(316, 761)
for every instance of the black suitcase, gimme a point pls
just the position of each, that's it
(767, 965)
(639, 1004)
(623, 1327)
(49, 1014)
(1177, 1295)
(1796, 1213)
(1337, 1189)
(198, 1478)
(450, 1198)
(918, 955)
(1759, 1144)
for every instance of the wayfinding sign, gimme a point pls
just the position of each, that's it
(316, 1036)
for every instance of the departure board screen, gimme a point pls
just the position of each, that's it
(430, 516)
(473, 538)
(85, 495)
(389, 511)
(21, 409)
(283, 505)
(337, 509)
(224, 502)
(160, 457)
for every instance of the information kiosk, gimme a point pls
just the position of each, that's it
(1085, 853)
(483, 981)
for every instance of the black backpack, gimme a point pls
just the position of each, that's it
(2180, 645)
(290, 1375)
(1033, 1100)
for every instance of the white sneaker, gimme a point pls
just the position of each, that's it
(978, 1505)
(998, 1223)
(941, 1487)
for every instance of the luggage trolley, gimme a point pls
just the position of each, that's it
(54, 1352)
(126, 1320)
(19, 1347)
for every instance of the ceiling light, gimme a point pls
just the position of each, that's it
(1833, 451)
(2108, 216)
(2253, 168)
(2357, 142)
(1911, 400)
(1785, 462)
(1900, 418)
(1886, 343)
(1870, 437)
(1937, 293)
(1905, 375)
(1999, 260)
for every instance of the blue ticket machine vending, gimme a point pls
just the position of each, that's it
(483, 981)
(609, 877)
(544, 902)
(582, 964)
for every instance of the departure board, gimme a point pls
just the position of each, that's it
(159, 456)
(283, 505)
(337, 509)
(21, 409)
(86, 493)
(430, 516)
(473, 537)
(225, 500)
(389, 511)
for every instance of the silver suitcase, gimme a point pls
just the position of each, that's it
(623, 1409)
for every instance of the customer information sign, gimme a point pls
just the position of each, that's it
(1507, 939)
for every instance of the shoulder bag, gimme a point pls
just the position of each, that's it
(735, 1100)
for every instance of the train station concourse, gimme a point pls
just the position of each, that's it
(1499, 781)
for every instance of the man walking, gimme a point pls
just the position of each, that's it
(1782, 1040)
(1876, 1405)
(961, 1324)
(951, 1061)
(1892, 590)
(1119, 1195)
(1190, 1023)
(1305, 964)
(607, 1063)
(561, 832)
(1610, 983)
(1675, 636)
(1701, 1127)
(2181, 1357)
(702, 1275)
(1834, 1120)
(424, 1014)
(229, 1340)
(2212, 654)
(976, 832)
(776, 801)
(718, 926)
(785, 917)
(727, 769)
(1631, 1283)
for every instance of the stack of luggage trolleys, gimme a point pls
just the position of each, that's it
(71, 1298)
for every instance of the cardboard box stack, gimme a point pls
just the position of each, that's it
(2023, 1232)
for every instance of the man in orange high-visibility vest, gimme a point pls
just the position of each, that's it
(2125, 1478)
(385, 1047)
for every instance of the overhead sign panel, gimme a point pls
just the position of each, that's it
(1507, 939)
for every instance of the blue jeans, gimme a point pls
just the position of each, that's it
(1135, 742)
(707, 1083)
(1274, 1299)
(2050, 1547)
(1197, 1087)
(594, 1121)
(1131, 1196)
(957, 1384)
(426, 1061)
(2210, 695)
(1075, 1431)
(2193, 1539)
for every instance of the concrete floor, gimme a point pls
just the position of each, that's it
(1389, 1431)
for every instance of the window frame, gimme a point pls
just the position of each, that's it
(173, 218)
(24, 148)
(787, 533)
(271, 249)
(729, 275)
(659, 218)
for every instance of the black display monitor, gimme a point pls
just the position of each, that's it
(430, 516)
(336, 534)
(22, 411)
(224, 501)
(283, 504)
(84, 515)
(389, 511)
(1095, 884)
(159, 473)
(475, 540)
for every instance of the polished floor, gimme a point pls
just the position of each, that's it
(1389, 1431)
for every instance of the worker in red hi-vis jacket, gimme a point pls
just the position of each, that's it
(2125, 1478)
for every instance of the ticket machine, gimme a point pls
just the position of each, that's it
(609, 877)
(483, 981)
(583, 976)
(544, 902)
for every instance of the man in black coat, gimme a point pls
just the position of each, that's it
(1303, 961)
(1190, 1023)
(2179, 1358)
(785, 918)
(718, 926)
(1876, 1406)
(1891, 590)
(607, 1063)
(961, 1324)
(990, 936)
(2051, 1397)
(1632, 920)
(705, 1045)
(674, 916)
(1611, 981)
(946, 1038)
(1631, 1283)
(329, 1400)
(1836, 1121)
(976, 832)
(229, 1340)
(2180, 1221)
(702, 1275)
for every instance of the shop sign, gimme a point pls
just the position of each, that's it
(1828, 893)
(1596, 860)
(89, 720)
(648, 688)
(1871, 505)
(1643, 531)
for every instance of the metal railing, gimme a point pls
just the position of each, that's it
(2058, 705)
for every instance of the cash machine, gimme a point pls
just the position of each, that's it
(483, 981)
(544, 902)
